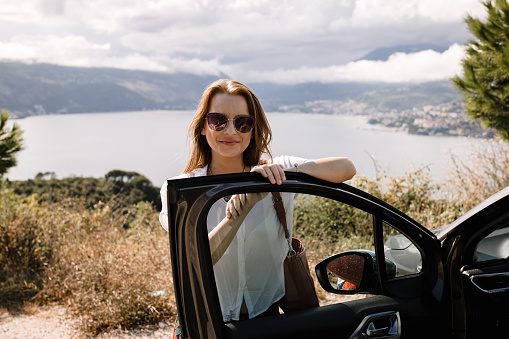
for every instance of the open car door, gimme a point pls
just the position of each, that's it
(476, 256)
(402, 296)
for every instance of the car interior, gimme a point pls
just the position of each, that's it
(327, 228)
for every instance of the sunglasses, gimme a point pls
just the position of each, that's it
(219, 121)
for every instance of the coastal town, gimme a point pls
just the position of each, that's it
(446, 119)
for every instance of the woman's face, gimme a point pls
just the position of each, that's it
(228, 143)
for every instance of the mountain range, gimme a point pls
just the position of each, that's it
(35, 89)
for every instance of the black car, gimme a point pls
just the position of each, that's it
(413, 283)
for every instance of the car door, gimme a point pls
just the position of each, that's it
(476, 253)
(404, 301)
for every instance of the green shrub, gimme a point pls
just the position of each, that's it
(121, 187)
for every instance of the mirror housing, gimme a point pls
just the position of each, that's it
(351, 272)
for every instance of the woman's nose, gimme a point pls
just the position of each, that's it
(230, 127)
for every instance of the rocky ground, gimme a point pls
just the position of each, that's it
(55, 322)
(49, 322)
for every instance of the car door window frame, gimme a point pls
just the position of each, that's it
(206, 190)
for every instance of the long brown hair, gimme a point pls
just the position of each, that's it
(201, 154)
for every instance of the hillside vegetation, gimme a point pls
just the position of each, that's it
(52, 89)
(122, 188)
(108, 261)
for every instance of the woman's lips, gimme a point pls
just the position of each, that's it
(229, 142)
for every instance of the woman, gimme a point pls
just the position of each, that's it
(230, 134)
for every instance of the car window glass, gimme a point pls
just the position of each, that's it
(402, 256)
(327, 227)
(248, 262)
(494, 246)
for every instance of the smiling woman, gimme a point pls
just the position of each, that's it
(229, 134)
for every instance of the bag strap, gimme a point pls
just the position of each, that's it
(281, 215)
(280, 211)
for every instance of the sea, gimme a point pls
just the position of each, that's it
(154, 144)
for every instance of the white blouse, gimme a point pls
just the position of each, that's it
(251, 269)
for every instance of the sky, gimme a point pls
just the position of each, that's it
(286, 42)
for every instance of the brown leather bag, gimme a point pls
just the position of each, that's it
(300, 290)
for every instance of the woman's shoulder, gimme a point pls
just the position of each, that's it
(199, 172)
(196, 173)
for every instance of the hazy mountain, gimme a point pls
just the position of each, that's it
(405, 97)
(382, 54)
(42, 88)
(272, 96)
(31, 89)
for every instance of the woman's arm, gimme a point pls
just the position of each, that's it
(221, 237)
(330, 169)
(237, 209)
(336, 169)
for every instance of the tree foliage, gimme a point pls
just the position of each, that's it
(125, 188)
(485, 81)
(11, 142)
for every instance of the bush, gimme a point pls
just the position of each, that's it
(108, 274)
(482, 174)
(25, 250)
(123, 188)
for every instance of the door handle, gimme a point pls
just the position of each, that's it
(386, 325)
(372, 331)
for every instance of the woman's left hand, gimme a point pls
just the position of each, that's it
(274, 172)
(237, 203)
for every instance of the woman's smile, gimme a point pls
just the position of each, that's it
(229, 142)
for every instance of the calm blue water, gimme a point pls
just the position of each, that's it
(155, 144)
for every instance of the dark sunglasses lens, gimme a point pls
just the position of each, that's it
(244, 124)
(217, 121)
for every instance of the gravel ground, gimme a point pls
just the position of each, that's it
(56, 322)
(49, 322)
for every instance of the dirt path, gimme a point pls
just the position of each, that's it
(56, 322)
(49, 322)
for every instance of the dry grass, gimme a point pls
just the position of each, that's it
(108, 276)
(481, 174)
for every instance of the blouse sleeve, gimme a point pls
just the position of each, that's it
(163, 216)
(288, 161)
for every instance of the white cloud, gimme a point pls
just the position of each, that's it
(16, 51)
(66, 50)
(19, 11)
(450, 10)
(167, 64)
(78, 51)
(370, 13)
(400, 67)
(288, 40)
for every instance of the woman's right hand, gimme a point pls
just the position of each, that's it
(238, 202)
(273, 172)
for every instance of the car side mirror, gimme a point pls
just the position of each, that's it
(348, 272)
